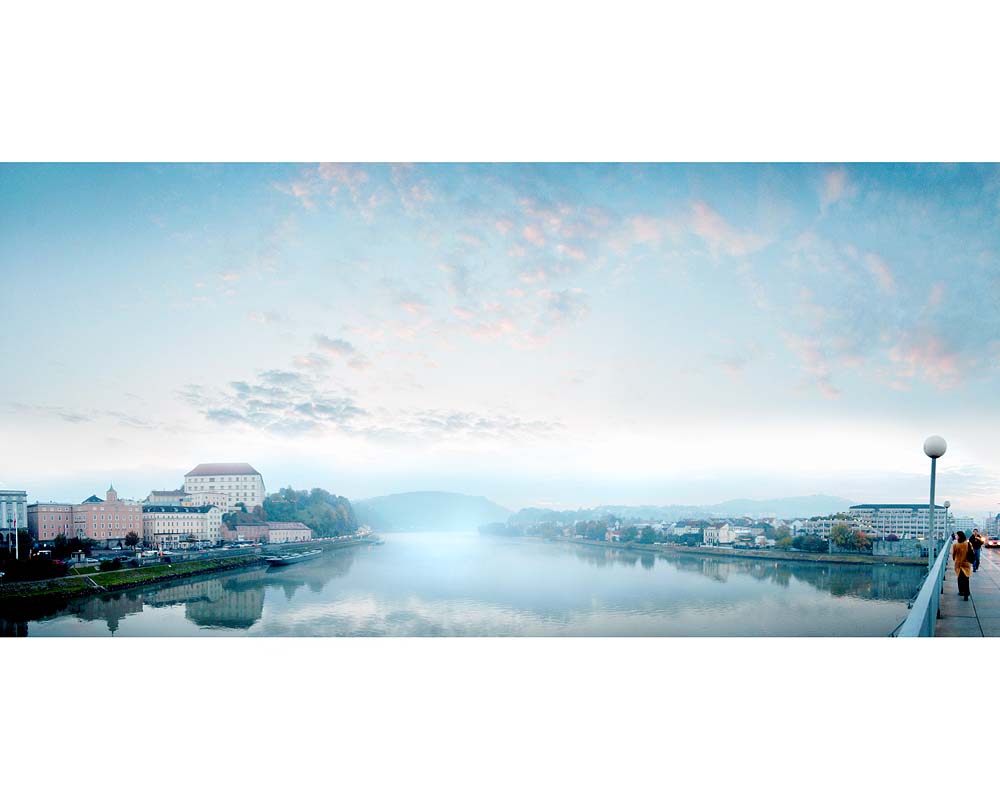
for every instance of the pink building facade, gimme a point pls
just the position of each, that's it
(107, 521)
(46, 521)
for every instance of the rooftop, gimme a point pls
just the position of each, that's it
(176, 509)
(276, 525)
(914, 506)
(241, 468)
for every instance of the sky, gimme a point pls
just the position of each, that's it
(556, 335)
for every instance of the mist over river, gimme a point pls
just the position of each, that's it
(465, 584)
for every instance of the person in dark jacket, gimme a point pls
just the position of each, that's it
(961, 553)
(977, 542)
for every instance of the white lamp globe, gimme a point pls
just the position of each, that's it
(947, 503)
(935, 447)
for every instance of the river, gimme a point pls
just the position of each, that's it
(464, 584)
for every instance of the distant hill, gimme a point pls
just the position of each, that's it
(785, 507)
(428, 511)
(812, 505)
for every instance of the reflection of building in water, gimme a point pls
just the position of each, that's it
(715, 569)
(867, 581)
(111, 608)
(237, 608)
(9, 627)
(205, 589)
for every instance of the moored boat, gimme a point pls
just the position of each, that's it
(292, 558)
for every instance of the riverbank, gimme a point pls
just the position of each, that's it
(768, 555)
(70, 587)
(99, 582)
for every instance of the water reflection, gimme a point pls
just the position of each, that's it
(227, 600)
(456, 584)
(868, 581)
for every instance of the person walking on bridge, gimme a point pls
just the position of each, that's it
(977, 542)
(961, 553)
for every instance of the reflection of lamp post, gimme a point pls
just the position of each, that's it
(934, 448)
(12, 523)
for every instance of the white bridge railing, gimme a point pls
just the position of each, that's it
(924, 611)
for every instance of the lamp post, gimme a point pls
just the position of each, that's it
(934, 448)
(947, 521)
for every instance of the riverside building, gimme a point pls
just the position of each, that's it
(13, 514)
(236, 482)
(905, 520)
(107, 521)
(273, 532)
(165, 497)
(171, 527)
(46, 521)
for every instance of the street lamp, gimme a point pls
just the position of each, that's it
(947, 521)
(934, 448)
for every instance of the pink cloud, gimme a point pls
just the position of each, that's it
(928, 358)
(646, 229)
(571, 252)
(836, 186)
(814, 361)
(881, 271)
(533, 234)
(536, 276)
(710, 226)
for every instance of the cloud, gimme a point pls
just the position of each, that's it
(265, 317)
(342, 349)
(881, 272)
(458, 278)
(571, 252)
(414, 191)
(290, 407)
(836, 187)
(647, 229)
(312, 361)
(721, 237)
(814, 361)
(332, 182)
(565, 306)
(301, 190)
(926, 357)
(533, 234)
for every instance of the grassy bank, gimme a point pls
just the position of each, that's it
(768, 555)
(97, 582)
(58, 587)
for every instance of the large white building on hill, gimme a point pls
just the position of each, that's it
(237, 483)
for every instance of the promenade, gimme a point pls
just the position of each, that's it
(981, 615)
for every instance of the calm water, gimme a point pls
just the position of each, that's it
(454, 584)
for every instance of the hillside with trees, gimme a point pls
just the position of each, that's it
(327, 514)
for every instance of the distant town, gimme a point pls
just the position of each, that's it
(881, 529)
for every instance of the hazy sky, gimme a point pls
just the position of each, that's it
(545, 334)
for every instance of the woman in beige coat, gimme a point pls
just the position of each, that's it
(961, 553)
